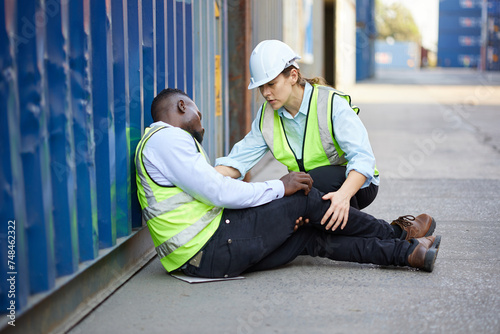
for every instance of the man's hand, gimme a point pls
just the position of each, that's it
(299, 222)
(295, 181)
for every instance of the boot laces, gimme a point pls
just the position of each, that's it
(405, 221)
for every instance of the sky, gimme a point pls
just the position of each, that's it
(426, 16)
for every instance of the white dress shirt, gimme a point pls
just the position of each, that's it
(171, 157)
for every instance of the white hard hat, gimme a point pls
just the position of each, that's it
(268, 60)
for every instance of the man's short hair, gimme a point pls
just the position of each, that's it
(163, 95)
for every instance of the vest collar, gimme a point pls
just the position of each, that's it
(160, 123)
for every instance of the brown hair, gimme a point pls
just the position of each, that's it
(302, 81)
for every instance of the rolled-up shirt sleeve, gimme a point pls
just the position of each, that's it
(247, 152)
(353, 139)
(172, 158)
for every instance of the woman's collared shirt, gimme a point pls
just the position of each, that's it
(350, 133)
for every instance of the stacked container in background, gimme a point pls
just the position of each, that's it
(491, 35)
(365, 39)
(460, 24)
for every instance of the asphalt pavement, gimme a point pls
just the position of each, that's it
(436, 137)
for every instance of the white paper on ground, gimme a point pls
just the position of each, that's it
(192, 280)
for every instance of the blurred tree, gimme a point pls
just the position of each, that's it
(396, 21)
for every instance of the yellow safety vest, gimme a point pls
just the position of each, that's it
(179, 224)
(320, 147)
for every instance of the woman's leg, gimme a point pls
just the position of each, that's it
(330, 178)
(366, 196)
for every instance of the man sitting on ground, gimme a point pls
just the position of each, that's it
(209, 225)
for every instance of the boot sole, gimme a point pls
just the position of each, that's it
(431, 228)
(437, 242)
(431, 254)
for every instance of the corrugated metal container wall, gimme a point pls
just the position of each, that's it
(299, 23)
(267, 20)
(76, 83)
(267, 23)
(210, 72)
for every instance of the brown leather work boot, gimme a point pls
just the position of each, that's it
(425, 253)
(415, 227)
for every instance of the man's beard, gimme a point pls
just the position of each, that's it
(198, 136)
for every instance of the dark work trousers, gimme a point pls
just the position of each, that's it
(330, 178)
(262, 238)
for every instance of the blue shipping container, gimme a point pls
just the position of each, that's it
(365, 54)
(493, 8)
(397, 55)
(460, 24)
(456, 58)
(493, 29)
(77, 80)
(362, 11)
(493, 58)
(460, 5)
(452, 41)
(365, 16)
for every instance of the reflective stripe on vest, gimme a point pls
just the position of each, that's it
(170, 211)
(323, 149)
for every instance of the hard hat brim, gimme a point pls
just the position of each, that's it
(259, 83)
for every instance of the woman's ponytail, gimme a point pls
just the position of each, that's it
(302, 81)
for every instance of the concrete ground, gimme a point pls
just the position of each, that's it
(436, 136)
